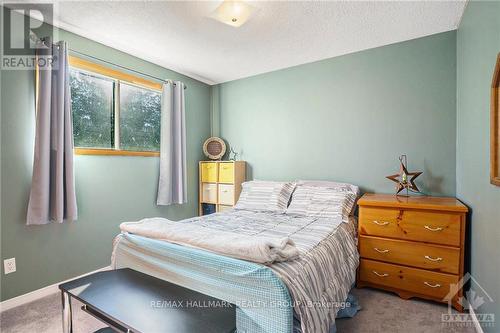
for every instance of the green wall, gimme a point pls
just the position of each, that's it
(349, 118)
(478, 43)
(345, 118)
(110, 190)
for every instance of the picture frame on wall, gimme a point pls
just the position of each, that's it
(495, 125)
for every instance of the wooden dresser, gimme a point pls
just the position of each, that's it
(220, 184)
(413, 246)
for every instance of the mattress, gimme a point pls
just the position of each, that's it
(315, 285)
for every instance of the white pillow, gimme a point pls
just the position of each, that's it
(266, 196)
(342, 187)
(316, 201)
(334, 185)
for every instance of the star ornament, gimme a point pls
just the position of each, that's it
(405, 180)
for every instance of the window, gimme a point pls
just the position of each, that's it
(114, 113)
(140, 111)
(93, 111)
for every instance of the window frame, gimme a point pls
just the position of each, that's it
(119, 76)
(495, 126)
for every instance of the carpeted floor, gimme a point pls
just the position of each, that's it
(382, 312)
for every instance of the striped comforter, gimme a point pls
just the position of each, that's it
(321, 278)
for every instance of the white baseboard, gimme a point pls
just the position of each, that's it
(39, 293)
(477, 325)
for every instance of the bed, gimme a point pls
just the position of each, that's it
(309, 290)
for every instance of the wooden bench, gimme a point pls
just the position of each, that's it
(133, 302)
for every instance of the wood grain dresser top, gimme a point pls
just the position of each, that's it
(418, 202)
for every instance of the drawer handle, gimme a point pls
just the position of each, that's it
(225, 191)
(381, 275)
(380, 251)
(381, 223)
(433, 229)
(433, 259)
(437, 285)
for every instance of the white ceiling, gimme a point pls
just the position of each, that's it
(180, 35)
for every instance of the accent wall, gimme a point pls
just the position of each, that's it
(349, 118)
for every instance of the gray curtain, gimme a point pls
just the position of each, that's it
(52, 196)
(172, 183)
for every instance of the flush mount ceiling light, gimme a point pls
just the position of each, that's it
(233, 13)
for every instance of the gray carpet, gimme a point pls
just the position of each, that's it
(382, 312)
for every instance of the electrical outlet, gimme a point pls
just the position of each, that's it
(9, 265)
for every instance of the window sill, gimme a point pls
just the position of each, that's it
(113, 152)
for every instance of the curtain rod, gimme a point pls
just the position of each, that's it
(122, 67)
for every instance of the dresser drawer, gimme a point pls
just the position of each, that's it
(226, 172)
(209, 172)
(223, 208)
(209, 193)
(433, 227)
(226, 194)
(435, 258)
(419, 281)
